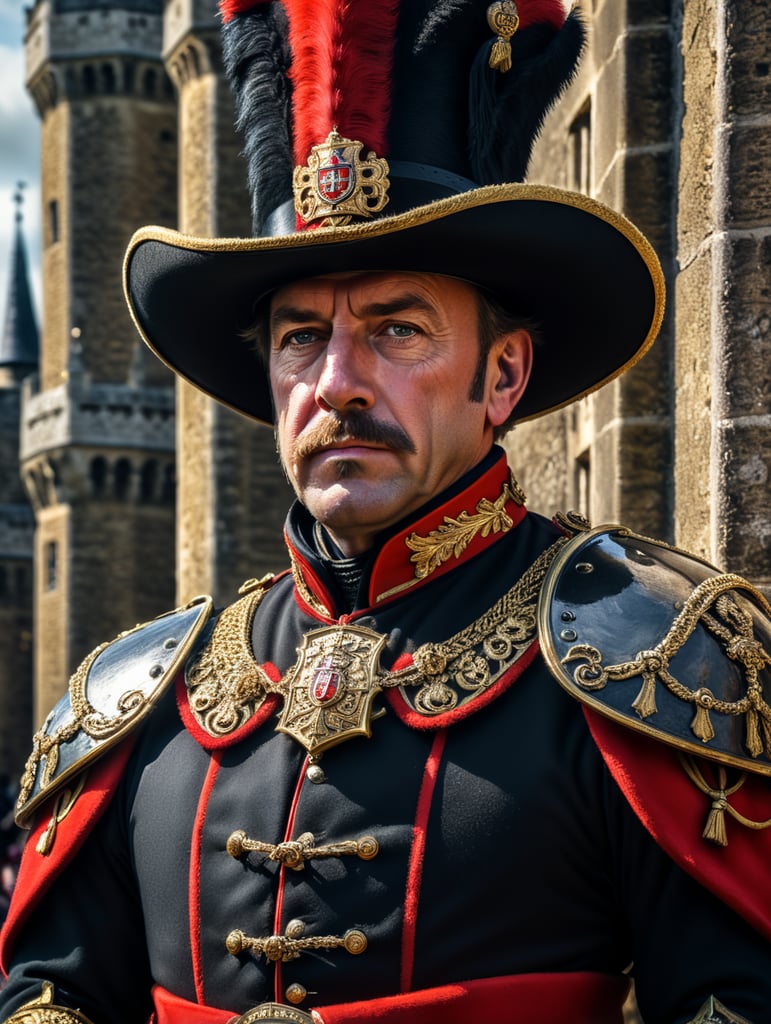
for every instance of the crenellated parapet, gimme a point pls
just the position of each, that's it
(85, 441)
(191, 41)
(62, 61)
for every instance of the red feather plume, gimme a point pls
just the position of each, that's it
(533, 12)
(230, 8)
(342, 59)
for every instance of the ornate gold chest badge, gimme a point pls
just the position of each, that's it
(332, 686)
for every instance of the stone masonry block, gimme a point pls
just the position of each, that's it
(649, 83)
(748, 80)
(644, 474)
(697, 144)
(748, 156)
(744, 527)
(693, 406)
(745, 369)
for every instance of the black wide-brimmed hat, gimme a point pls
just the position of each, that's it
(394, 135)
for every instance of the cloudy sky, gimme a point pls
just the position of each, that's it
(19, 148)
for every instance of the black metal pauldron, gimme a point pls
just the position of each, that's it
(113, 689)
(662, 642)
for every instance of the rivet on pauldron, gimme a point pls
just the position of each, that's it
(170, 644)
(156, 671)
(584, 567)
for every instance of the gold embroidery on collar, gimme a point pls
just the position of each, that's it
(225, 684)
(453, 536)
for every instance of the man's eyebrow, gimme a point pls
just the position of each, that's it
(282, 315)
(288, 314)
(399, 304)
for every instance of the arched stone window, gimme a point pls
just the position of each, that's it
(98, 472)
(122, 479)
(108, 78)
(148, 481)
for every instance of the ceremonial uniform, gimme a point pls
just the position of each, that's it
(476, 834)
(447, 767)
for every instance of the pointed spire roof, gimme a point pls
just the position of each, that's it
(19, 346)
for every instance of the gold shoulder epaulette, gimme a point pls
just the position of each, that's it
(113, 690)
(662, 642)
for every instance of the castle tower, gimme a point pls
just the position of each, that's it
(232, 495)
(18, 358)
(614, 137)
(667, 123)
(97, 442)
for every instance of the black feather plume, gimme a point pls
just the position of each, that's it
(506, 111)
(256, 58)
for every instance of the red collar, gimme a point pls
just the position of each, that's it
(442, 539)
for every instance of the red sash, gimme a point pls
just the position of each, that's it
(582, 997)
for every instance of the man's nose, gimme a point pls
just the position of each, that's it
(346, 378)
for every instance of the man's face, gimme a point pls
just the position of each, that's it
(370, 376)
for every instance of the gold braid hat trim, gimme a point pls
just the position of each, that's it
(227, 687)
(44, 1011)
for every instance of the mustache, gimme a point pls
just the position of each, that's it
(351, 427)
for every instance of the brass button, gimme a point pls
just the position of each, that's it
(354, 941)
(296, 993)
(295, 929)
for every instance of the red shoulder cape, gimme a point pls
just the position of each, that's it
(674, 811)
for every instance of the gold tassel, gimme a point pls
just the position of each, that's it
(500, 55)
(714, 830)
(754, 744)
(645, 701)
(767, 735)
(503, 19)
(701, 726)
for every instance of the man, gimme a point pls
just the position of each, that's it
(359, 792)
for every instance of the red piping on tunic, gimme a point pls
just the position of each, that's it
(290, 823)
(194, 881)
(415, 871)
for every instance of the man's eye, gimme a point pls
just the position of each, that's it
(301, 337)
(401, 330)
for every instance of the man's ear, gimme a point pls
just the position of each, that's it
(508, 370)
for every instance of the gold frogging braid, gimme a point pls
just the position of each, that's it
(44, 1011)
(715, 830)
